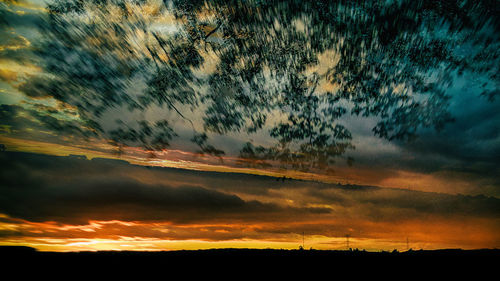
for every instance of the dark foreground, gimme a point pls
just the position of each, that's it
(454, 259)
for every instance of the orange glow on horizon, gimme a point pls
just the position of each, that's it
(140, 236)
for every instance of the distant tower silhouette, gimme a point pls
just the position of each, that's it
(303, 245)
(347, 241)
(407, 244)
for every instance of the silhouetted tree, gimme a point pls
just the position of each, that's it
(392, 60)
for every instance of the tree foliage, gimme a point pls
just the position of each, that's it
(392, 60)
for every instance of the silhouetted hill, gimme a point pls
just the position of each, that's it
(256, 257)
(251, 264)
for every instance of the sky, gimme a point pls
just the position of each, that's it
(167, 126)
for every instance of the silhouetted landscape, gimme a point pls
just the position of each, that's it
(255, 257)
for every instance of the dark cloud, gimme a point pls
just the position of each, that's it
(110, 199)
(466, 149)
(22, 56)
(64, 192)
(41, 123)
(9, 18)
(473, 138)
(13, 45)
(74, 190)
(410, 202)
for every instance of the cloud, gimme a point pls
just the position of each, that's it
(14, 17)
(467, 148)
(127, 200)
(473, 138)
(46, 197)
(8, 75)
(18, 29)
(73, 191)
(409, 203)
(40, 122)
(461, 157)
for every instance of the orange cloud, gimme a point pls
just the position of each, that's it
(321, 234)
(7, 75)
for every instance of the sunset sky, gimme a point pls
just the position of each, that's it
(89, 163)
